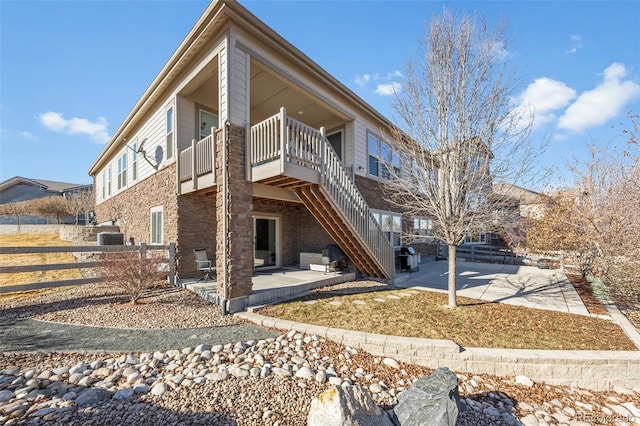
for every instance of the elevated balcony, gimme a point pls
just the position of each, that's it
(289, 154)
(195, 165)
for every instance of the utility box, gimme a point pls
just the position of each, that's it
(110, 239)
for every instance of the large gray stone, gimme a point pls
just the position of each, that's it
(431, 401)
(346, 406)
(92, 396)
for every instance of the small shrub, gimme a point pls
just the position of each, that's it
(131, 271)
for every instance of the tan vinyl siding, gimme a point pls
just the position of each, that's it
(360, 151)
(154, 131)
(239, 95)
(223, 114)
(187, 122)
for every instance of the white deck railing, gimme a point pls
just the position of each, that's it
(197, 159)
(308, 147)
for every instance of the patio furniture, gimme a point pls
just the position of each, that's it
(204, 264)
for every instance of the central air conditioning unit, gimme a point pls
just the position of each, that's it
(110, 239)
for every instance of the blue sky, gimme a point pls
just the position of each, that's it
(70, 71)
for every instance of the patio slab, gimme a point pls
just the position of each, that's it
(513, 284)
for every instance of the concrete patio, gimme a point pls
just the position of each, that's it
(513, 284)
(272, 285)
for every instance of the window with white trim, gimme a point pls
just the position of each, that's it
(169, 133)
(156, 225)
(109, 181)
(476, 237)
(104, 185)
(422, 228)
(391, 225)
(122, 171)
(382, 157)
(134, 163)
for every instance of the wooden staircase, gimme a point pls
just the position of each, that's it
(292, 155)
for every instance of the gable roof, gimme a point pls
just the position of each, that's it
(48, 185)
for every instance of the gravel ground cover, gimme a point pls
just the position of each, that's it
(266, 381)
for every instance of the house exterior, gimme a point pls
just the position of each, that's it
(244, 146)
(18, 188)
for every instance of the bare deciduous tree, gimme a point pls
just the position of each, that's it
(459, 131)
(82, 202)
(132, 272)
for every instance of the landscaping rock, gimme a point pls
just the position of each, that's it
(349, 405)
(92, 396)
(433, 401)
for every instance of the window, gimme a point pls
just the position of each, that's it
(134, 165)
(109, 181)
(336, 143)
(156, 225)
(207, 121)
(122, 171)
(169, 133)
(381, 157)
(476, 237)
(422, 228)
(104, 186)
(391, 225)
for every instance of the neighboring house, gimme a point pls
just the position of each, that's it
(521, 204)
(244, 146)
(19, 188)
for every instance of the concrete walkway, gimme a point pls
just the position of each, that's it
(513, 284)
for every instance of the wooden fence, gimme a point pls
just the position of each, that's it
(142, 249)
(481, 253)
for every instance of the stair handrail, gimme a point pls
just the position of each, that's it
(337, 183)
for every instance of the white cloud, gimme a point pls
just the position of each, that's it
(388, 89)
(28, 135)
(543, 97)
(394, 74)
(97, 130)
(599, 105)
(362, 80)
(576, 41)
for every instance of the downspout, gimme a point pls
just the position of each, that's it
(225, 216)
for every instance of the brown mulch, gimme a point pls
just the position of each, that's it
(583, 287)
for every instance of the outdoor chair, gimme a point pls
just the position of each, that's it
(204, 264)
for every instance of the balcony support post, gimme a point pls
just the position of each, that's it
(194, 175)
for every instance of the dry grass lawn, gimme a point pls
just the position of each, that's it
(474, 323)
(34, 240)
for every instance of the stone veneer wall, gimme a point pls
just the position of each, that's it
(132, 207)
(197, 228)
(301, 232)
(598, 370)
(240, 233)
(30, 229)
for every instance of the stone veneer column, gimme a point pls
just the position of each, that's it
(234, 285)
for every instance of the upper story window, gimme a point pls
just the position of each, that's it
(134, 163)
(122, 171)
(109, 181)
(169, 147)
(382, 158)
(104, 186)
